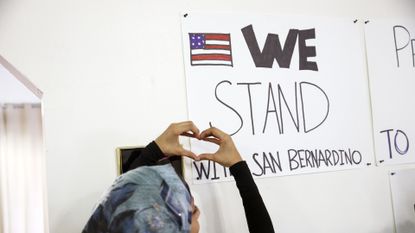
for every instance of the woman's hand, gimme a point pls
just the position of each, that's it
(168, 141)
(227, 154)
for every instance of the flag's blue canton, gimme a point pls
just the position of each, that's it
(197, 41)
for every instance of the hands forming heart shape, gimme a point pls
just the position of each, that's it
(227, 154)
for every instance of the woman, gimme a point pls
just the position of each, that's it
(153, 198)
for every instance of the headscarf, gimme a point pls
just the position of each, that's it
(149, 199)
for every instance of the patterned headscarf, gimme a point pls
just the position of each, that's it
(143, 200)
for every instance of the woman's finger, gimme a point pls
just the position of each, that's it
(217, 133)
(188, 154)
(187, 134)
(206, 156)
(213, 140)
(187, 126)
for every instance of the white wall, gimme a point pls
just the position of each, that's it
(112, 75)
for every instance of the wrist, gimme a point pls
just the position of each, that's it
(237, 159)
(160, 146)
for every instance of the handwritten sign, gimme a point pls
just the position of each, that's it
(403, 199)
(391, 60)
(291, 91)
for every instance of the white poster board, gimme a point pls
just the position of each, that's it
(391, 59)
(403, 199)
(291, 91)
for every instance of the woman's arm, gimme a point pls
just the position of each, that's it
(227, 155)
(166, 145)
(255, 211)
(148, 156)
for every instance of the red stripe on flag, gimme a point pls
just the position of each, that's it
(217, 37)
(214, 46)
(211, 57)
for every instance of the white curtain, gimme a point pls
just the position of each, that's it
(22, 175)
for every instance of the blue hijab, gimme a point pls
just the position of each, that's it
(146, 199)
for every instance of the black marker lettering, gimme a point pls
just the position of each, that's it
(396, 43)
(404, 151)
(389, 140)
(302, 85)
(292, 159)
(259, 165)
(272, 48)
(306, 51)
(215, 177)
(354, 157)
(250, 102)
(281, 96)
(276, 162)
(220, 101)
(201, 170)
(273, 110)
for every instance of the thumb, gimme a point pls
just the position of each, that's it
(206, 156)
(189, 154)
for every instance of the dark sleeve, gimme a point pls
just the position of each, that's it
(148, 156)
(256, 213)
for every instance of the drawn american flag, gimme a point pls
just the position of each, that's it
(210, 49)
